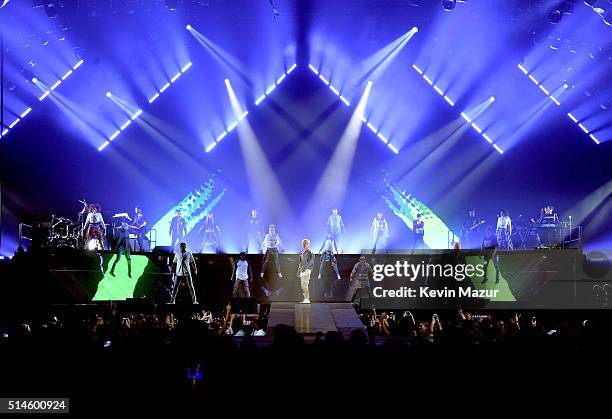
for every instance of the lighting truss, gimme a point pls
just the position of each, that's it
(556, 102)
(46, 93)
(152, 99)
(583, 128)
(465, 116)
(259, 100)
(540, 86)
(369, 124)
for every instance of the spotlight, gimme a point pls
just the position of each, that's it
(492, 99)
(227, 82)
(108, 94)
(34, 79)
(188, 27)
(369, 83)
(449, 4)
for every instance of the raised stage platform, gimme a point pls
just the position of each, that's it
(308, 319)
(546, 278)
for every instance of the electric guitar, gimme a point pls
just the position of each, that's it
(468, 231)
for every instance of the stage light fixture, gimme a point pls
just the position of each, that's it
(51, 9)
(555, 16)
(188, 27)
(108, 94)
(449, 5)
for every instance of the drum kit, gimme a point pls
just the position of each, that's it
(64, 232)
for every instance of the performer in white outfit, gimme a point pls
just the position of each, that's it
(504, 231)
(272, 243)
(94, 228)
(242, 276)
(182, 268)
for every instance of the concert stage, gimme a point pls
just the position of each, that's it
(309, 319)
(551, 278)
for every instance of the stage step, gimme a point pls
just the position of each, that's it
(309, 319)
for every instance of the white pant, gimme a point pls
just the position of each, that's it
(305, 279)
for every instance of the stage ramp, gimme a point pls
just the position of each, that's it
(309, 319)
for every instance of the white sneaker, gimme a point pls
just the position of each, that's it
(306, 301)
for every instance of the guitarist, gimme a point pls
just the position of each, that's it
(470, 230)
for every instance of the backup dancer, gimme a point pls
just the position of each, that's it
(212, 234)
(183, 267)
(123, 248)
(270, 246)
(254, 231)
(380, 232)
(489, 253)
(360, 280)
(335, 228)
(242, 276)
(304, 269)
(418, 232)
(328, 260)
(178, 229)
